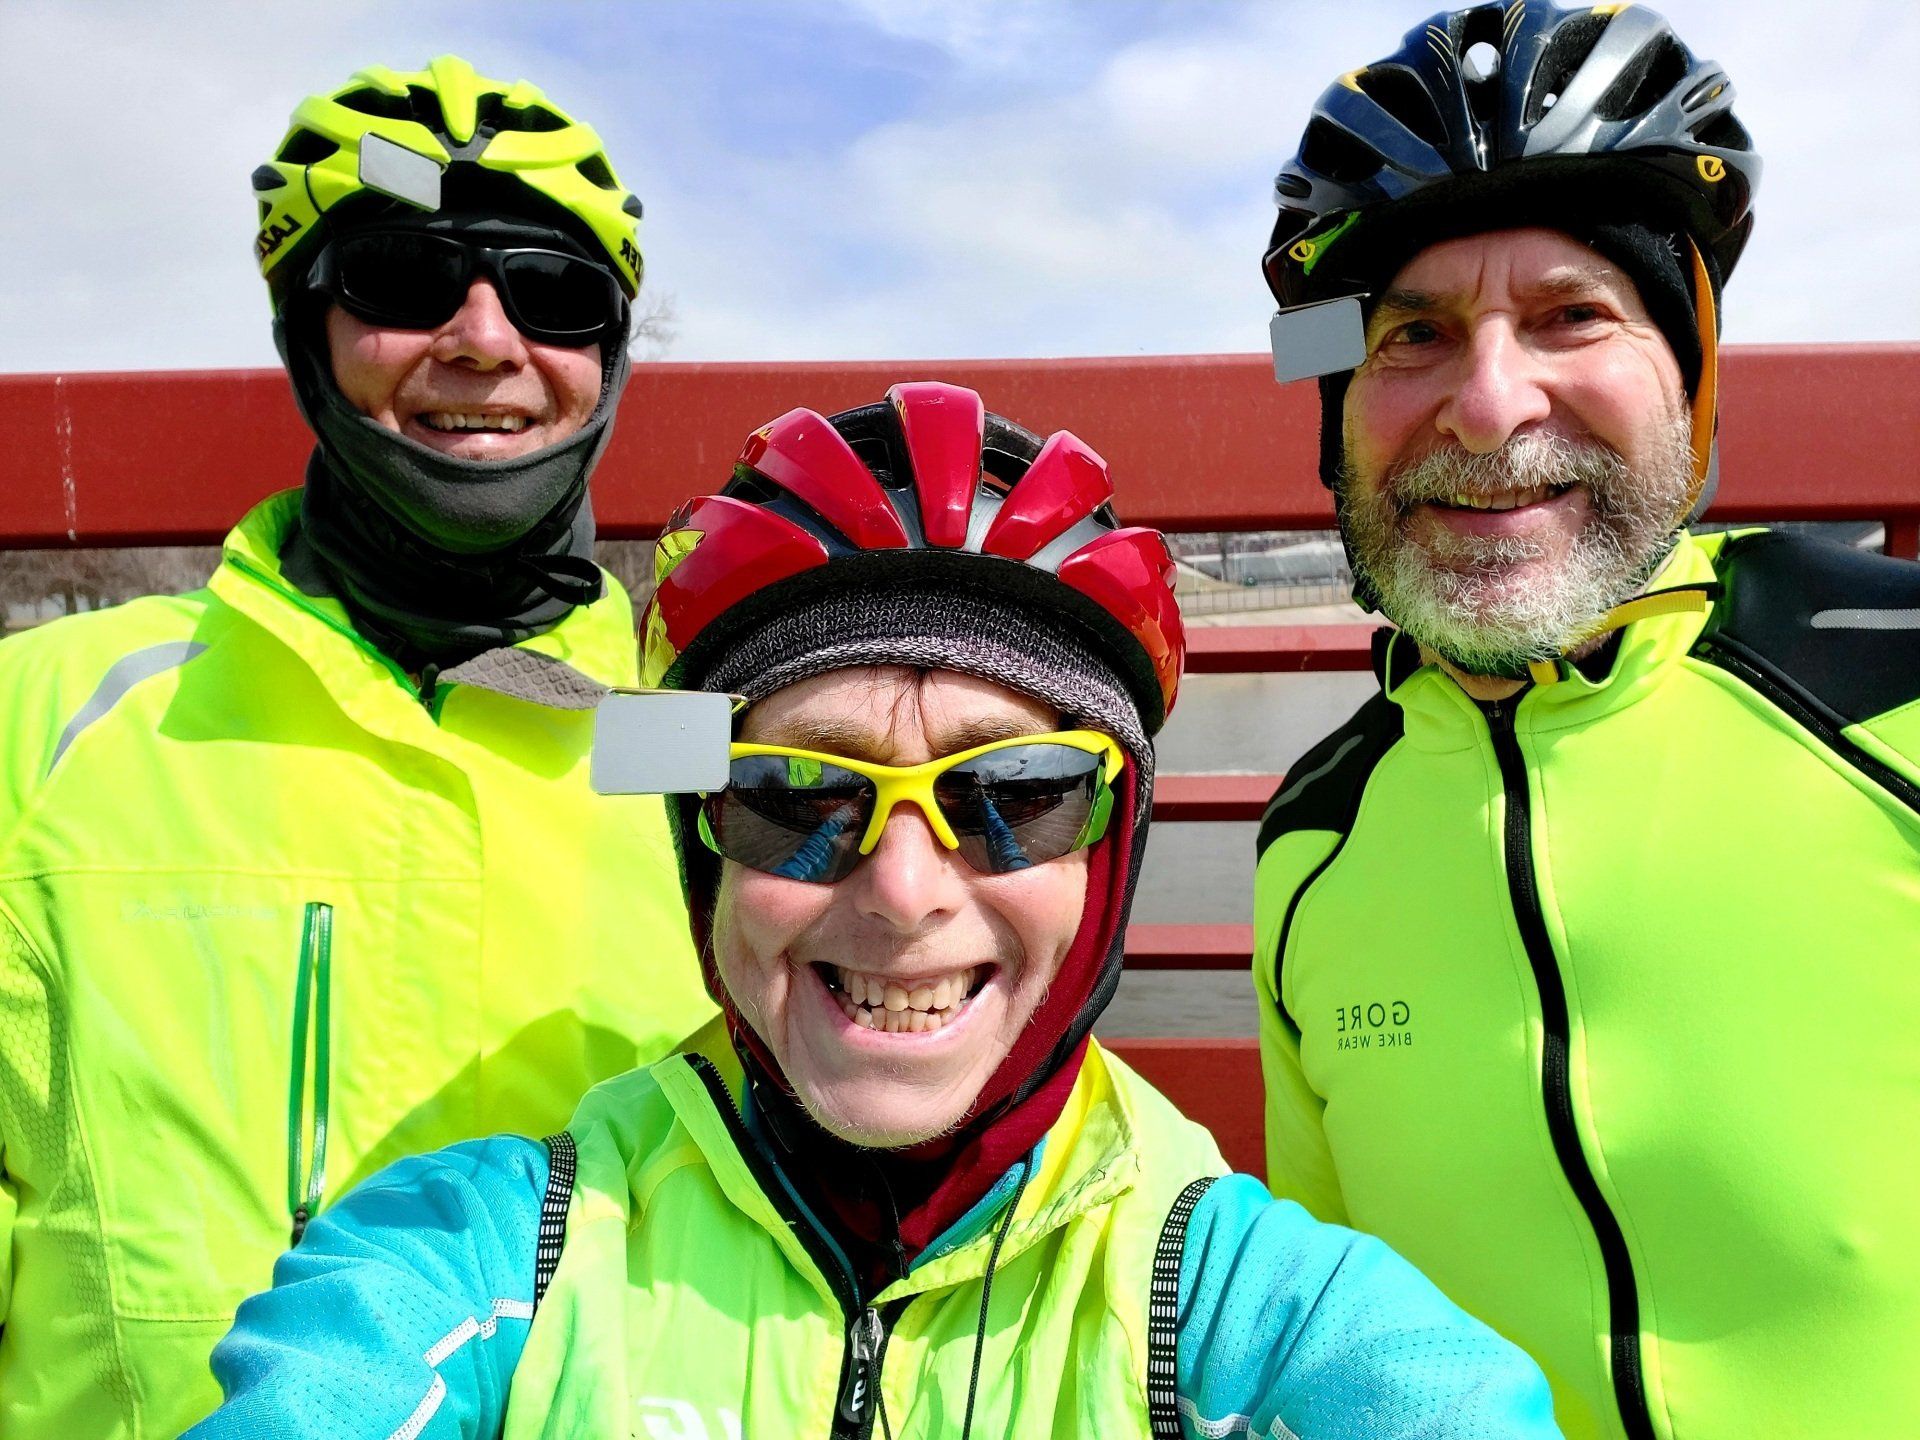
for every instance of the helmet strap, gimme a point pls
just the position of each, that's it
(1706, 394)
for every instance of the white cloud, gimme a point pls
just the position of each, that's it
(1106, 194)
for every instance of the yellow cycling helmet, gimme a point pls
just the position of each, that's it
(392, 134)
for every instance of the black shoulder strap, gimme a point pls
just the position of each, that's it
(1163, 1313)
(553, 1212)
(1830, 635)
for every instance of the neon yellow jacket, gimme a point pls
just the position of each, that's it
(759, 1343)
(1593, 1003)
(228, 826)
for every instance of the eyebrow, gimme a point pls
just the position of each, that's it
(1555, 284)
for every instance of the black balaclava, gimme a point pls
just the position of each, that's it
(438, 559)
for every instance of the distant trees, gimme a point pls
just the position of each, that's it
(38, 585)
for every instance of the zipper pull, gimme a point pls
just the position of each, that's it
(863, 1341)
(429, 682)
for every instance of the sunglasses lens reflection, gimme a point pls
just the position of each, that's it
(1009, 808)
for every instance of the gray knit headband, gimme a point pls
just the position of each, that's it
(982, 633)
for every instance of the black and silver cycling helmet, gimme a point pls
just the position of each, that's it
(1516, 110)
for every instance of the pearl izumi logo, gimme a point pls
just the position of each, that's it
(1375, 1025)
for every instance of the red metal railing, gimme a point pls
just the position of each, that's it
(1196, 442)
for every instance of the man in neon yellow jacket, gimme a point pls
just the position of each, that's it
(302, 872)
(1575, 945)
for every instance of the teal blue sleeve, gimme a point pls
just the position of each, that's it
(1291, 1327)
(402, 1310)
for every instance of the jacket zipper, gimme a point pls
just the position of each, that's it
(433, 695)
(1807, 718)
(1623, 1296)
(869, 1327)
(312, 1020)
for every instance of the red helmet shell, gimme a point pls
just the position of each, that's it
(922, 480)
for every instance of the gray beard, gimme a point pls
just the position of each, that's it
(1459, 597)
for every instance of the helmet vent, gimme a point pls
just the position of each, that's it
(594, 170)
(1476, 34)
(1336, 154)
(877, 455)
(1723, 132)
(1481, 63)
(303, 147)
(1398, 91)
(535, 118)
(1572, 42)
(752, 487)
(1000, 469)
(381, 105)
(1645, 81)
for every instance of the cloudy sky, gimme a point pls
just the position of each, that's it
(830, 179)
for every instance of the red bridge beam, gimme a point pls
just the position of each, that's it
(1197, 442)
(1190, 947)
(1212, 797)
(1249, 649)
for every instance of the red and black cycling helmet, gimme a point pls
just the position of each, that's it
(925, 490)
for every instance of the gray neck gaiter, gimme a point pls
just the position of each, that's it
(437, 558)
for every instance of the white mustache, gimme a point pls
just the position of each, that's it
(1522, 463)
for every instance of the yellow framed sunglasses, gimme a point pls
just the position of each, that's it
(1006, 805)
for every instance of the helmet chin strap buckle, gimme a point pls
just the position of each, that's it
(401, 174)
(1323, 338)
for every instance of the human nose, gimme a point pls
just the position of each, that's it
(1500, 390)
(479, 335)
(910, 878)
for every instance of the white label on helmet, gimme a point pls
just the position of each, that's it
(662, 742)
(403, 174)
(1319, 339)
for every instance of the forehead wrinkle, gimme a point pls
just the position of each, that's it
(1569, 280)
(875, 731)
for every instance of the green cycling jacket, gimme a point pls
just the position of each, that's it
(643, 1330)
(271, 917)
(1595, 1002)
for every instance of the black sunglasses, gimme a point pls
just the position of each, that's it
(417, 281)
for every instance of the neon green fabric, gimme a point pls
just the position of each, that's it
(755, 1344)
(225, 821)
(1731, 912)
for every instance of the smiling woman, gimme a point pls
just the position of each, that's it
(897, 1189)
(888, 999)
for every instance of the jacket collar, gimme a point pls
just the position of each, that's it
(1655, 631)
(597, 640)
(1087, 1159)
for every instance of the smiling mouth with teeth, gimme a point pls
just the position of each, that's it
(453, 422)
(1505, 499)
(877, 1003)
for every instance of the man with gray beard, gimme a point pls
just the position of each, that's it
(1564, 941)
